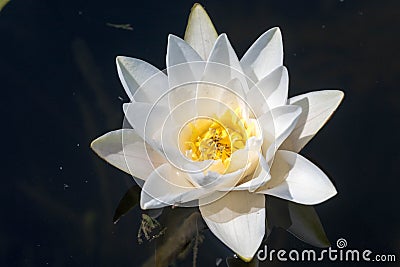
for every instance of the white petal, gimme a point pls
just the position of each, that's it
(146, 119)
(229, 96)
(200, 32)
(184, 67)
(127, 151)
(178, 52)
(303, 182)
(242, 165)
(277, 126)
(203, 106)
(234, 97)
(216, 181)
(248, 156)
(223, 65)
(167, 186)
(257, 178)
(265, 55)
(238, 220)
(317, 108)
(180, 62)
(180, 94)
(226, 97)
(142, 81)
(270, 92)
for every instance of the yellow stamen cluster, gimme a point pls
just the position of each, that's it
(216, 139)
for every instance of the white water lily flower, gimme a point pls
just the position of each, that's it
(218, 132)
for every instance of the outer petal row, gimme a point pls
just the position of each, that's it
(141, 80)
(265, 55)
(295, 178)
(238, 220)
(127, 151)
(166, 186)
(200, 32)
(277, 125)
(269, 92)
(317, 108)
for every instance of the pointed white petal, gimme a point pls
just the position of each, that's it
(215, 181)
(128, 152)
(278, 172)
(317, 108)
(141, 81)
(297, 179)
(184, 67)
(223, 65)
(180, 94)
(200, 32)
(226, 97)
(248, 156)
(234, 97)
(166, 186)
(257, 178)
(205, 106)
(181, 62)
(265, 55)
(231, 178)
(270, 92)
(238, 220)
(277, 126)
(146, 119)
(178, 52)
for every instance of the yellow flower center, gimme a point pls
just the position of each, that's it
(215, 139)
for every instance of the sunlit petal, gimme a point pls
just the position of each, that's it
(297, 179)
(166, 186)
(238, 220)
(270, 92)
(223, 65)
(277, 126)
(317, 108)
(200, 32)
(146, 119)
(265, 55)
(127, 151)
(142, 81)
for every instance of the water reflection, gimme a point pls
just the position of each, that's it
(178, 232)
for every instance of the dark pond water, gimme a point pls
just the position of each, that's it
(60, 90)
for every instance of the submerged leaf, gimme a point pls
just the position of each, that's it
(127, 202)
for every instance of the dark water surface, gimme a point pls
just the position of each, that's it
(60, 90)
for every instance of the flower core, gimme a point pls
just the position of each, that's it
(215, 139)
